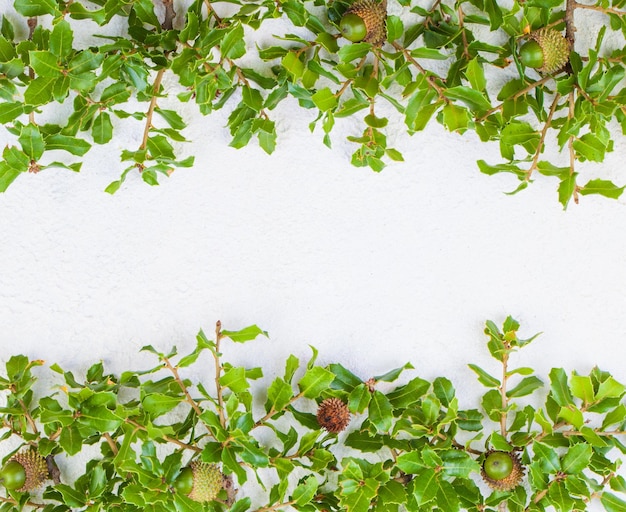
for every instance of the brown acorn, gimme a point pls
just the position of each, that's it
(333, 415)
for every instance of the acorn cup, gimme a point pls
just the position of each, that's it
(200, 481)
(365, 20)
(546, 50)
(501, 470)
(24, 471)
(333, 415)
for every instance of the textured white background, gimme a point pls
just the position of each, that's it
(373, 269)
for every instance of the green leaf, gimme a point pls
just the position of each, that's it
(610, 388)
(171, 117)
(604, 188)
(305, 491)
(380, 412)
(246, 334)
(484, 378)
(31, 141)
(72, 145)
(612, 503)
(572, 415)
(590, 147)
(39, 91)
(292, 63)
(233, 44)
(455, 118)
(547, 457)
(582, 387)
(30, 8)
(102, 128)
(45, 64)
(350, 52)
(577, 458)
(61, 39)
(560, 497)
(7, 176)
(157, 404)
(395, 28)
(475, 100)
(392, 375)
(279, 394)
(525, 387)
(559, 387)
(324, 99)
(315, 381)
(425, 487)
(444, 390)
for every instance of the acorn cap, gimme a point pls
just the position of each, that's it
(35, 468)
(333, 415)
(207, 481)
(374, 14)
(509, 482)
(555, 48)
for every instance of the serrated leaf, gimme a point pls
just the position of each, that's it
(246, 334)
(314, 381)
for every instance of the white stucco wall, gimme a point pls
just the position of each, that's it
(373, 269)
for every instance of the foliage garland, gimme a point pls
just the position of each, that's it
(408, 445)
(456, 62)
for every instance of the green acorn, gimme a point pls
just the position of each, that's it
(502, 471)
(24, 471)
(200, 481)
(547, 50)
(365, 20)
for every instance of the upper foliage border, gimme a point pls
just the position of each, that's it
(454, 62)
(409, 445)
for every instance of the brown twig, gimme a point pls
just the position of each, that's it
(170, 14)
(111, 443)
(278, 506)
(542, 139)
(218, 373)
(153, 104)
(518, 94)
(605, 10)
(182, 386)
(15, 502)
(169, 439)
(211, 11)
(429, 78)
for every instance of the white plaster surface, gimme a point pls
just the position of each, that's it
(372, 269)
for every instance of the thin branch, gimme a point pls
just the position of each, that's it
(570, 28)
(605, 10)
(211, 11)
(111, 443)
(542, 139)
(169, 439)
(218, 373)
(15, 502)
(278, 506)
(518, 94)
(503, 398)
(153, 104)
(429, 78)
(182, 386)
(170, 14)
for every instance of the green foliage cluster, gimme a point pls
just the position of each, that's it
(453, 62)
(409, 445)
